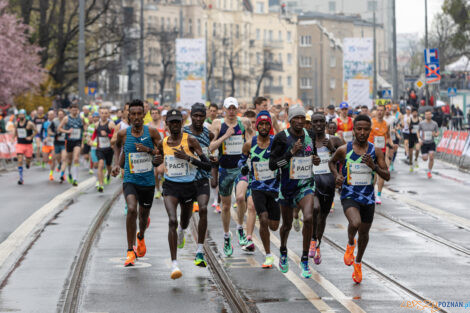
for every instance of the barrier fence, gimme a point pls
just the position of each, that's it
(7, 150)
(454, 147)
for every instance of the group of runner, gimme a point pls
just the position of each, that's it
(274, 161)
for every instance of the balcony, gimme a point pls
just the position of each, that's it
(275, 66)
(273, 44)
(269, 90)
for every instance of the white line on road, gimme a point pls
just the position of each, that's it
(19, 236)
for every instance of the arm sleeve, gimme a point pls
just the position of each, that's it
(242, 161)
(279, 156)
(204, 163)
(94, 135)
(110, 135)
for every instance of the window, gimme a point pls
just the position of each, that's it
(371, 6)
(305, 61)
(333, 60)
(332, 6)
(162, 25)
(279, 57)
(279, 35)
(199, 30)
(214, 29)
(289, 59)
(270, 35)
(332, 83)
(259, 7)
(305, 41)
(289, 36)
(279, 81)
(190, 26)
(265, 37)
(305, 83)
(258, 58)
(289, 81)
(225, 30)
(237, 31)
(258, 34)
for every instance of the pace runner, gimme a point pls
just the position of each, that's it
(178, 154)
(204, 136)
(231, 133)
(38, 121)
(361, 161)
(413, 124)
(73, 125)
(324, 183)
(380, 137)
(158, 123)
(428, 130)
(138, 145)
(264, 185)
(25, 131)
(104, 130)
(293, 152)
(48, 155)
(59, 144)
(345, 123)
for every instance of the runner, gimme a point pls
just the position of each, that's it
(104, 130)
(177, 153)
(25, 131)
(263, 183)
(212, 114)
(95, 118)
(324, 183)
(59, 143)
(428, 130)
(231, 133)
(73, 125)
(48, 144)
(158, 123)
(204, 136)
(38, 120)
(361, 161)
(395, 134)
(413, 143)
(87, 141)
(293, 152)
(380, 137)
(137, 143)
(405, 124)
(345, 123)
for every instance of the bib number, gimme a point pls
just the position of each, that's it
(427, 135)
(49, 141)
(379, 142)
(234, 145)
(61, 137)
(348, 136)
(262, 172)
(300, 168)
(140, 162)
(39, 127)
(76, 133)
(205, 151)
(175, 167)
(415, 128)
(323, 167)
(104, 142)
(359, 174)
(21, 133)
(393, 135)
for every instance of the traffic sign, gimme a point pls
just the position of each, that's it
(451, 92)
(431, 64)
(419, 84)
(92, 88)
(387, 94)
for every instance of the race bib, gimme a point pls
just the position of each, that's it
(359, 174)
(323, 167)
(61, 137)
(140, 162)
(415, 129)
(76, 133)
(393, 135)
(300, 168)
(427, 135)
(21, 132)
(39, 127)
(348, 136)
(205, 151)
(49, 141)
(104, 142)
(175, 167)
(234, 145)
(262, 171)
(379, 142)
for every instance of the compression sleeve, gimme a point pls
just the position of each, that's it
(204, 163)
(280, 154)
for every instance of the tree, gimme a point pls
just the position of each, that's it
(19, 70)
(459, 11)
(441, 35)
(264, 71)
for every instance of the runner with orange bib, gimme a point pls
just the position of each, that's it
(345, 123)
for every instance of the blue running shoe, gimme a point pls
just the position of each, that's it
(284, 263)
(306, 273)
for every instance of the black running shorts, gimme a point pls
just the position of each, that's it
(144, 194)
(325, 202)
(366, 210)
(265, 201)
(106, 155)
(203, 187)
(184, 192)
(71, 144)
(428, 147)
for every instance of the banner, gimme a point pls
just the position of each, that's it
(190, 66)
(442, 146)
(452, 143)
(7, 146)
(460, 145)
(358, 58)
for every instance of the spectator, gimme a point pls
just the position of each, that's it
(3, 128)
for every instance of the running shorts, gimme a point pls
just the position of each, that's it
(58, 148)
(25, 148)
(412, 141)
(203, 187)
(71, 144)
(184, 192)
(86, 148)
(326, 201)
(228, 178)
(428, 147)
(106, 155)
(47, 149)
(143, 194)
(265, 201)
(366, 210)
(293, 199)
(93, 156)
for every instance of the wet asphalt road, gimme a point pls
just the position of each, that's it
(433, 270)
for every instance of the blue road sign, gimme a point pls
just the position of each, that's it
(92, 88)
(431, 64)
(452, 92)
(387, 94)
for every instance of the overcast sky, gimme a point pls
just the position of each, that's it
(410, 15)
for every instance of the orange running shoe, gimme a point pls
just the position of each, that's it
(311, 251)
(429, 175)
(141, 248)
(357, 274)
(217, 209)
(349, 254)
(130, 260)
(195, 207)
(51, 177)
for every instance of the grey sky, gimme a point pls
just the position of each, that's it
(410, 15)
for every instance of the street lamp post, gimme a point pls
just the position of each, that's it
(426, 43)
(81, 52)
(141, 58)
(394, 56)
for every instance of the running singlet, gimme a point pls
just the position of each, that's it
(90, 130)
(204, 141)
(178, 170)
(138, 167)
(346, 128)
(324, 179)
(104, 142)
(261, 177)
(406, 127)
(76, 125)
(378, 134)
(297, 174)
(414, 127)
(49, 140)
(39, 121)
(23, 133)
(358, 182)
(59, 138)
(161, 130)
(230, 151)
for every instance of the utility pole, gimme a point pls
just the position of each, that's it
(81, 53)
(375, 54)
(141, 58)
(394, 55)
(426, 43)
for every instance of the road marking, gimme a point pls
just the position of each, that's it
(301, 285)
(18, 237)
(461, 221)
